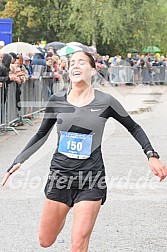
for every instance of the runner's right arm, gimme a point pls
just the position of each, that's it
(40, 137)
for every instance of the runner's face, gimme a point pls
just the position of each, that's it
(80, 70)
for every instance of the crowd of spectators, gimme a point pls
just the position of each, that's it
(23, 67)
(20, 68)
(148, 69)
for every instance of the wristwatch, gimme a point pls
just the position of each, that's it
(152, 154)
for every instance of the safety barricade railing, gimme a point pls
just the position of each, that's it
(2, 105)
(151, 75)
(121, 74)
(159, 74)
(11, 105)
(34, 95)
(8, 105)
(47, 85)
(37, 95)
(62, 84)
(41, 78)
(137, 74)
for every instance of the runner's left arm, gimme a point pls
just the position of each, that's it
(118, 112)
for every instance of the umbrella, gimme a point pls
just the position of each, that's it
(151, 49)
(85, 48)
(66, 50)
(91, 50)
(55, 45)
(75, 43)
(19, 48)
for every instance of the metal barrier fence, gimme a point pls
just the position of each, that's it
(2, 105)
(137, 75)
(18, 102)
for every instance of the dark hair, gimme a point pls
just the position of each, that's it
(49, 54)
(6, 59)
(14, 55)
(91, 59)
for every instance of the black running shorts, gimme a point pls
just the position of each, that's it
(72, 195)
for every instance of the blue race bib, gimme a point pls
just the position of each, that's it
(75, 145)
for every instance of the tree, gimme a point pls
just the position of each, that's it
(37, 20)
(120, 25)
(113, 26)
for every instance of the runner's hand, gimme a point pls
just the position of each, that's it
(158, 168)
(7, 175)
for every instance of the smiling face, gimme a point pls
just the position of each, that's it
(80, 70)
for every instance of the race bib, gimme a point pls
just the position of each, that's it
(75, 145)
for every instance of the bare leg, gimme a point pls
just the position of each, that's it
(52, 221)
(85, 213)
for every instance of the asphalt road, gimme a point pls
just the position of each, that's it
(133, 218)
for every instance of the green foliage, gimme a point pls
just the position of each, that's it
(113, 26)
(2, 5)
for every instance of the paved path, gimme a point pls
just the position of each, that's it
(133, 218)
